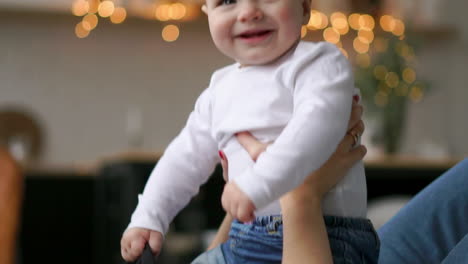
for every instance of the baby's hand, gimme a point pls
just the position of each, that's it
(236, 203)
(134, 240)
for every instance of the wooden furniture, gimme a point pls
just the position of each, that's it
(11, 186)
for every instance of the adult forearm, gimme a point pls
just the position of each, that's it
(305, 236)
(223, 232)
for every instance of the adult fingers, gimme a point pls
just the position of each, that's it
(356, 114)
(358, 128)
(356, 155)
(349, 140)
(224, 165)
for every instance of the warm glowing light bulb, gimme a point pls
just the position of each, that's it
(317, 20)
(337, 16)
(399, 28)
(177, 11)
(366, 22)
(331, 35)
(80, 7)
(324, 21)
(93, 6)
(162, 12)
(339, 22)
(366, 36)
(90, 22)
(170, 33)
(106, 8)
(119, 15)
(387, 23)
(359, 46)
(409, 75)
(392, 79)
(80, 31)
(353, 20)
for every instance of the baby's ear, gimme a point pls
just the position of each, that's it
(204, 8)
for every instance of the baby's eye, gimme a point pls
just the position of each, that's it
(228, 2)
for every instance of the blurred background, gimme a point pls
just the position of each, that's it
(93, 91)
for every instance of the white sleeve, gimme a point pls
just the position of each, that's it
(323, 87)
(187, 163)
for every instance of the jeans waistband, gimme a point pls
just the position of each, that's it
(274, 221)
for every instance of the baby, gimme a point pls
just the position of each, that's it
(295, 94)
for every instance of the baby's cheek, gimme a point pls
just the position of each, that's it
(290, 20)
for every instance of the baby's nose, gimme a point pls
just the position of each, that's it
(250, 11)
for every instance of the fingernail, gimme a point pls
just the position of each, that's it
(221, 154)
(356, 98)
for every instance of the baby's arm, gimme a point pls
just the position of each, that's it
(186, 164)
(323, 89)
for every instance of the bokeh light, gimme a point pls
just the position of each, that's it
(409, 75)
(366, 22)
(331, 35)
(366, 36)
(90, 22)
(80, 7)
(80, 31)
(106, 8)
(359, 46)
(387, 23)
(177, 11)
(392, 79)
(119, 15)
(380, 72)
(353, 21)
(317, 20)
(170, 33)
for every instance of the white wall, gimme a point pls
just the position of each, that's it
(82, 89)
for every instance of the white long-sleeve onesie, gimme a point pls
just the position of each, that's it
(301, 102)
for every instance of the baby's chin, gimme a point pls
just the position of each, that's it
(261, 58)
(257, 61)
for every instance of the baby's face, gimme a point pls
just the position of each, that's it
(255, 32)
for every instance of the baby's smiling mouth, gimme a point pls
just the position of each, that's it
(254, 34)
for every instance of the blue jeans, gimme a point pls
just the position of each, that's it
(433, 226)
(352, 240)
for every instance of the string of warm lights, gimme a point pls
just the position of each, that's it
(93, 10)
(334, 28)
